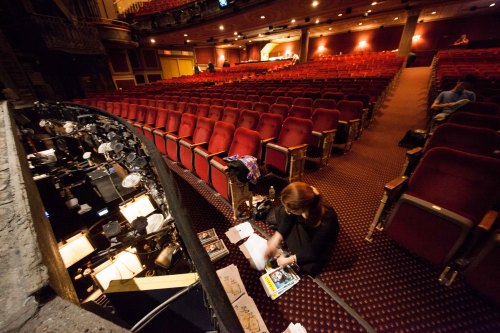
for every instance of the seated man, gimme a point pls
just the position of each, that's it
(463, 40)
(450, 100)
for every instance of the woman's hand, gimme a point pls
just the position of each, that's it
(273, 245)
(283, 261)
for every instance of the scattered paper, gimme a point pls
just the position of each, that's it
(239, 232)
(231, 281)
(249, 315)
(295, 328)
(253, 249)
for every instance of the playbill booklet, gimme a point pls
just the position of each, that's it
(277, 281)
(214, 246)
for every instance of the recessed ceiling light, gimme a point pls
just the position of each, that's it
(396, 18)
(293, 20)
(240, 46)
(360, 23)
(492, 5)
(433, 13)
(315, 3)
(374, 3)
(236, 39)
(262, 17)
(153, 40)
(250, 41)
(330, 28)
(369, 11)
(340, 14)
(221, 27)
(188, 40)
(317, 21)
(235, 33)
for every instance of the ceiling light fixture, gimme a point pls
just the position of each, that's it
(260, 35)
(317, 21)
(262, 17)
(340, 14)
(433, 13)
(235, 33)
(360, 23)
(492, 5)
(369, 11)
(374, 3)
(315, 3)
(153, 41)
(330, 28)
(221, 27)
(396, 18)
(293, 20)
(185, 35)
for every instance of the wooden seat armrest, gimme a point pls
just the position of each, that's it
(396, 183)
(414, 152)
(274, 146)
(194, 145)
(266, 141)
(219, 153)
(488, 220)
(298, 147)
(216, 164)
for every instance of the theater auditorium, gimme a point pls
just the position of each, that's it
(250, 166)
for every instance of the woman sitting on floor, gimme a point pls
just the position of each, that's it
(309, 228)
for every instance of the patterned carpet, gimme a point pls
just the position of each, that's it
(389, 287)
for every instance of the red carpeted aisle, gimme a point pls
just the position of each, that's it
(392, 289)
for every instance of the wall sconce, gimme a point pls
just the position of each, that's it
(416, 38)
(362, 44)
(321, 48)
(75, 249)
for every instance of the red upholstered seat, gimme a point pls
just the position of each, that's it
(171, 105)
(186, 130)
(245, 105)
(191, 108)
(202, 110)
(363, 98)
(124, 110)
(216, 112)
(261, 107)
(312, 93)
(205, 100)
(219, 144)
(351, 113)
(217, 101)
(269, 126)
(324, 104)
(172, 125)
(338, 96)
(300, 112)
(268, 99)
(132, 112)
(245, 142)
(481, 107)
(231, 103)
(160, 103)
(295, 93)
(475, 120)
(292, 142)
(181, 106)
(325, 122)
(253, 98)
(194, 99)
(201, 135)
(160, 123)
(447, 197)
(284, 100)
(248, 119)
(281, 109)
(116, 108)
(231, 115)
(303, 101)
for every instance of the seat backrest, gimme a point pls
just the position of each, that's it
(350, 109)
(221, 138)
(245, 105)
(464, 183)
(231, 103)
(141, 113)
(295, 93)
(173, 121)
(281, 109)
(216, 112)
(194, 99)
(363, 98)
(474, 140)
(217, 101)
(248, 119)
(303, 101)
(160, 103)
(187, 125)
(202, 110)
(161, 118)
(150, 115)
(261, 107)
(231, 115)
(325, 119)
(324, 103)
(300, 112)
(269, 125)
(338, 96)
(181, 106)
(239, 97)
(268, 99)
(171, 105)
(284, 100)
(191, 108)
(481, 107)
(245, 142)
(205, 100)
(203, 130)
(124, 110)
(253, 98)
(132, 111)
(475, 120)
(295, 131)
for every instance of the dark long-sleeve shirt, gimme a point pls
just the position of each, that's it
(310, 245)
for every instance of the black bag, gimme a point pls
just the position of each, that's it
(262, 209)
(413, 139)
(274, 217)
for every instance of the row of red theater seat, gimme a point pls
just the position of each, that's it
(447, 213)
